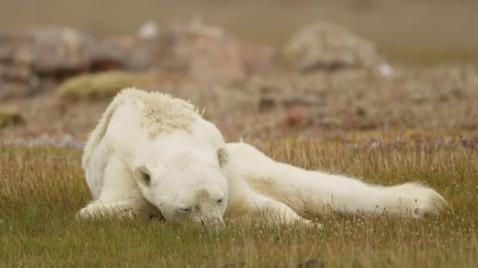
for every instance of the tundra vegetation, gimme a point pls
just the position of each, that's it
(42, 188)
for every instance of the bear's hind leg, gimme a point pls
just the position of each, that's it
(277, 212)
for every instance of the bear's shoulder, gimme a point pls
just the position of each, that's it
(159, 113)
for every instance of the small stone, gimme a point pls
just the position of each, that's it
(149, 30)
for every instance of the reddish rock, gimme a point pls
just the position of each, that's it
(212, 55)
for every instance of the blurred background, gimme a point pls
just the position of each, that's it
(414, 31)
(325, 69)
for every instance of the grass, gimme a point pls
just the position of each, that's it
(42, 188)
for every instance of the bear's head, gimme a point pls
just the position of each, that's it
(187, 185)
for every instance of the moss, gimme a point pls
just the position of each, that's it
(101, 85)
(10, 116)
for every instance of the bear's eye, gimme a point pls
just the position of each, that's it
(219, 201)
(185, 210)
(146, 178)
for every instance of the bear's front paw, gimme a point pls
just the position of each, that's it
(84, 213)
(100, 210)
(311, 224)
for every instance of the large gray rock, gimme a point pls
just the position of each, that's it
(206, 53)
(30, 57)
(330, 47)
(53, 50)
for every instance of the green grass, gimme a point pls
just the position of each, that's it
(42, 188)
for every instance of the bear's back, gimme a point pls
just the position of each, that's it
(158, 113)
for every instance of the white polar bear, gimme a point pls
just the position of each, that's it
(154, 155)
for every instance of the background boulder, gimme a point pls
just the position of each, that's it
(326, 46)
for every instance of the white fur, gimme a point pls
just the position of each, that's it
(195, 176)
(311, 193)
(191, 175)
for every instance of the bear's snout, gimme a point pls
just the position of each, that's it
(211, 222)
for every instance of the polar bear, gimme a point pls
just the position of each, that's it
(154, 155)
(151, 154)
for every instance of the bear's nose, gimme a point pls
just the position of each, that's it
(212, 222)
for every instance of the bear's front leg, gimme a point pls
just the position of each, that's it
(100, 209)
(127, 208)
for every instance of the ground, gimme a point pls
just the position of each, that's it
(42, 188)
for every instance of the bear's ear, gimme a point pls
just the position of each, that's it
(222, 157)
(143, 175)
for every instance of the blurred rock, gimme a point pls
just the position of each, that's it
(101, 85)
(149, 30)
(386, 70)
(258, 58)
(29, 57)
(325, 46)
(10, 116)
(55, 51)
(58, 50)
(154, 53)
(297, 116)
(206, 53)
(212, 54)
